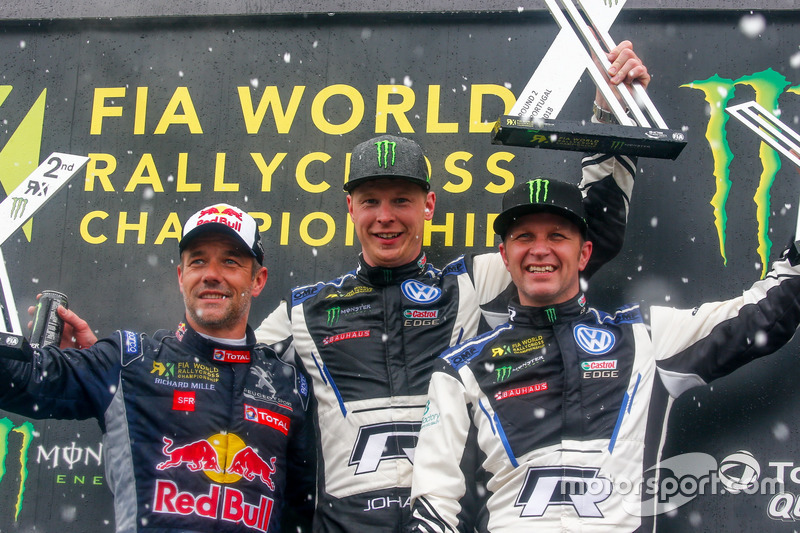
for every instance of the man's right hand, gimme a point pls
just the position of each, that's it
(76, 334)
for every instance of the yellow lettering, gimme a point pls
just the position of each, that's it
(267, 169)
(145, 174)
(183, 185)
(356, 114)
(285, 219)
(476, 122)
(170, 230)
(349, 231)
(494, 169)
(139, 227)
(469, 237)
(60, 478)
(140, 117)
(330, 230)
(219, 176)
(397, 110)
(97, 480)
(270, 98)
(300, 172)
(489, 231)
(465, 175)
(446, 228)
(88, 237)
(92, 172)
(180, 98)
(434, 126)
(265, 218)
(79, 480)
(100, 110)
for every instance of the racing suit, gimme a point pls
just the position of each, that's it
(567, 405)
(368, 340)
(197, 435)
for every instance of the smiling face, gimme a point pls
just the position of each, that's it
(545, 253)
(218, 278)
(389, 215)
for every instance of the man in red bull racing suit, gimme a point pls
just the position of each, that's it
(203, 429)
(369, 338)
(565, 403)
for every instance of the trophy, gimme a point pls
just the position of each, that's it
(27, 198)
(582, 40)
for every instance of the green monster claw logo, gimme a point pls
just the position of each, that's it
(550, 312)
(768, 86)
(333, 315)
(503, 373)
(386, 149)
(537, 188)
(26, 430)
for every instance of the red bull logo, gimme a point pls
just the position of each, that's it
(205, 455)
(223, 214)
(219, 503)
(248, 464)
(198, 455)
(226, 503)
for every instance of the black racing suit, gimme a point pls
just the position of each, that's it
(567, 406)
(368, 340)
(193, 439)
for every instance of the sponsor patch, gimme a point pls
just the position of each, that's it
(520, 347)
(267, 418)
(420, 293)
(346, 335)
(610, 364)
(520, 391)
(181, 331)
(131, 343)
(595, 341)
(231, 356)
(421, 313)
(183, 400)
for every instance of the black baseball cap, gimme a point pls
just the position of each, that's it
(228, 219)
(387, 156)
(542, 195)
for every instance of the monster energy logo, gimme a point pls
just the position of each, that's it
(333, 315)
(550, 313)
(503, 373)
(616, 145)
(387, 275)
(386, 149)
(768, 85)
(537, 188)
(18, 206)
(26, 430)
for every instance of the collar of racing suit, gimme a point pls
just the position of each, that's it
(208, 348)
(382, 277)
(549, 315)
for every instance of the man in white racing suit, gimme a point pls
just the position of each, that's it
(565, 404)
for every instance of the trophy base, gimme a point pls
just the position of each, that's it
(588, 137)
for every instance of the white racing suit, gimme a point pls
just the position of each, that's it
(570, 403)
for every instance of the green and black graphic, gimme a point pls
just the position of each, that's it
(539, 189)
(26, 432)
(386, 150)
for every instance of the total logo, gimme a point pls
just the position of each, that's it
(225, 503)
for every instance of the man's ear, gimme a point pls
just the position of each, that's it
(259, 281)
(503, 255)
(586, 253)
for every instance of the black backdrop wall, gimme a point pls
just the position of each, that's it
(261, 111)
